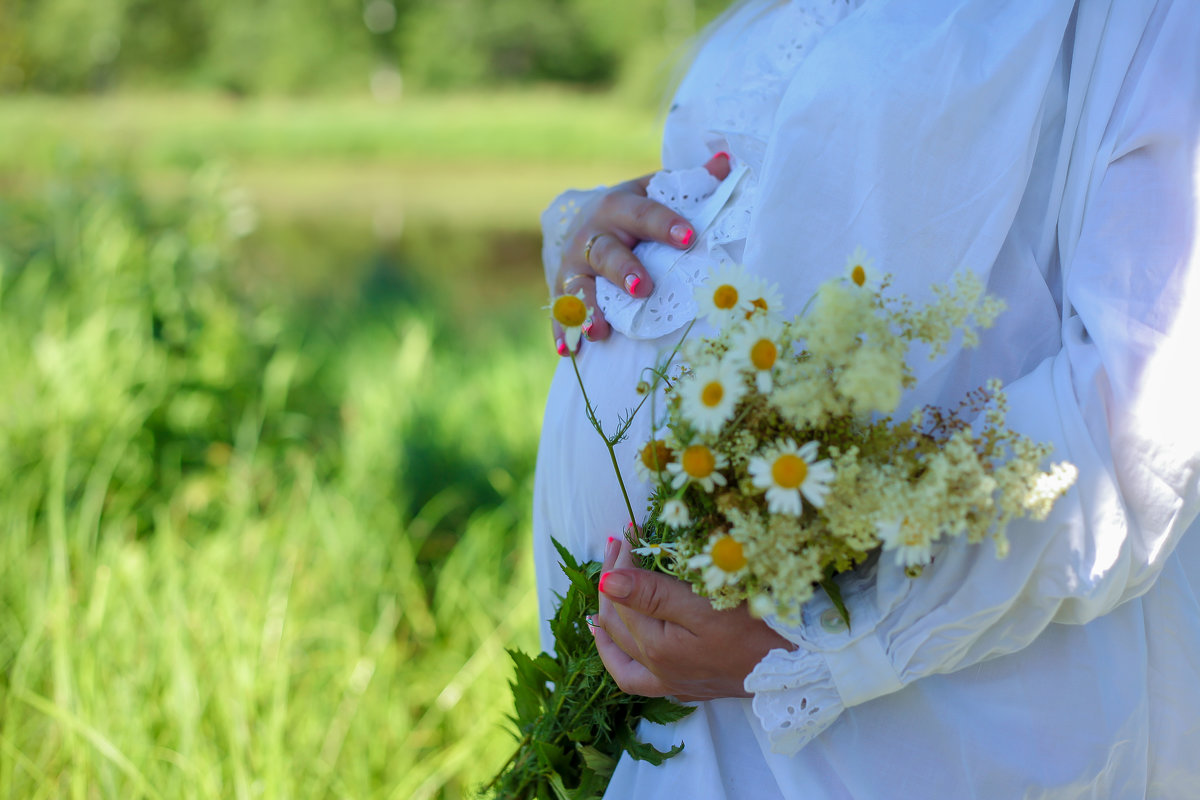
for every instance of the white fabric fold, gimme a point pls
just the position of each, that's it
(1052, 148)
(700, 198)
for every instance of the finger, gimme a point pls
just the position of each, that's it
(638, 635)
(637, 218)
(560, 342)
(611, 550)
(630, 676)
(718, 166)
(611, 256)
(653, 595)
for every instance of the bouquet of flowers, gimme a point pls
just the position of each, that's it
(777, 465)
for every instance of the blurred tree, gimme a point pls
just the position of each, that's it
(472, 42)
(65, 44)
(295, 46)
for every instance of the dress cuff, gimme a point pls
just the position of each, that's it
(795, 698)
(799, 693)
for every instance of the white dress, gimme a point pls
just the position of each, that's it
(1055, 152)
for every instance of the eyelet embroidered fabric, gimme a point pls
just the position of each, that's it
(673, 272)
(740, 106)
(795, 698)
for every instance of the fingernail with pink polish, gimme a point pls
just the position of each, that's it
(682, 233)
(587, 331)
(616, 585)
(723, 155)
(560, 346)
(631, 283)
(610, 549)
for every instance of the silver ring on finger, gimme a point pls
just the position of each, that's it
(587, 249)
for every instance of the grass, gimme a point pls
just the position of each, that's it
(250, 550)
(492, 159)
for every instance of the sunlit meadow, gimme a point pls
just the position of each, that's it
(265, 457)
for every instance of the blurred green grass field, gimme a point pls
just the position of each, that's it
(264, 488)
(487, 158)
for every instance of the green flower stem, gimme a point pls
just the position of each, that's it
(612, 454)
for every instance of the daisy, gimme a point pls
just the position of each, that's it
(913, 546)
(860, 270)
(675, 515)
(657, 548)
(710, 394)
(727, 291)
(762, 297)
(723, 562)
(698, 464)
(652, 461)
(757, 347)
(572, 313)
(787, 472)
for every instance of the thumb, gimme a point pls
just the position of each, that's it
(653, 594)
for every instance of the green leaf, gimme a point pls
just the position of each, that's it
(580, 733)
(644, 751)
(548, 666)
(663, 711)
(600, 763)
(560, 792)
(835, 596)
(582, 582)
(555, 758)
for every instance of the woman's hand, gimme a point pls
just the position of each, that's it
(601, 239)
(657, 637)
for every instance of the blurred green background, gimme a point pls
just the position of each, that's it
(272, 365)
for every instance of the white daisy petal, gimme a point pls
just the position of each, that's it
(787, 472)
(698, 464)
(709, 396)
(726, 295)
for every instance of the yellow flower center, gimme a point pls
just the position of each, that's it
(712, 393)
(655, 455)
(569, 311)
(858, 275)
(698, 461)
(763, 354)
(789, 471)
(725, 297)
(727, 554)
(756, 305)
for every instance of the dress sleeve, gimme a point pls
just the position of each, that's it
(1117, 400)
(556, 219)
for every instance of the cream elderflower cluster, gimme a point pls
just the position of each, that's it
(776, 464)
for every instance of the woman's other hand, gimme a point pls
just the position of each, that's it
(601, 239)
(657, 637)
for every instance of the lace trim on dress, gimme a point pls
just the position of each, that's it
(689, 192)
(795, 698)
